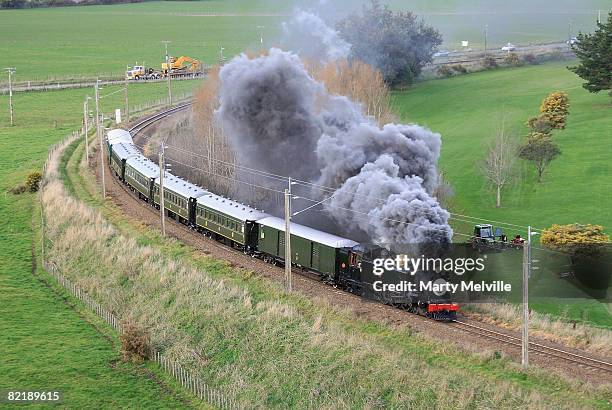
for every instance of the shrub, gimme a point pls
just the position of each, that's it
(18, 189)
(555, 109)
(444, 71)
(459, 69)
(135, 344)
(33, 181)
(575, 238)
(530, 59)
(540, 125)
(489, 62)
(512, 59)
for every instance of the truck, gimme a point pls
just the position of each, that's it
(183, 66)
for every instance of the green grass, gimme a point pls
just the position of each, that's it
(468, 110)
(48, 339)
(229, 335)
(91, 40)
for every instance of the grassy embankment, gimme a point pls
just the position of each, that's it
(276, 350)
(49, 340)
(64, 41)
(468, 111)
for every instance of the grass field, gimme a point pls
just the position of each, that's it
(45, 343)
(468, 110)
(60, 42)
(239, 322)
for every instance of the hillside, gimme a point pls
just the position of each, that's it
(468, 110)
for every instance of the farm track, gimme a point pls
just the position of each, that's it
(467, 334)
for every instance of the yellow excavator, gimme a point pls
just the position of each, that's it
(181, 66)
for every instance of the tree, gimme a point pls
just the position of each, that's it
(595, 54)
(540, 149)
(499, 164)
(555, 109)
(540, 125)
(575, 239)
(398, 44)
(358, 81)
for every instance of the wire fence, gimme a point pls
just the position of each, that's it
(61, 84)
(188, 379)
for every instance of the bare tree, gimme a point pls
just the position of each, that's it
(358, 81)
(499, 164)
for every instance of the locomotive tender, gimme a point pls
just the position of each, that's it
(338, 261)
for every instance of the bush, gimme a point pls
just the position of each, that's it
(33, 181)
(512, 59)
(18, 189)
(575, 239)
(555, 109)
(530, 59)
(489, 62)
(135, 343)
(458, 68)
(444, 71)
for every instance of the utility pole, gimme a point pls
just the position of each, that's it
(86, 127)
(11, 70)
(527, 261)
(168, 73)
(288, 284)
(525, 341)
(127, 102)
(486, 34)
(569, 33)
(598, 16)
(99, 134)
(161, 188)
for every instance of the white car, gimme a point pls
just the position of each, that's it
(442, 53)
(509, 47)
(572, 41)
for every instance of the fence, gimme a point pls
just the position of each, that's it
(186, 378)
(61, 84)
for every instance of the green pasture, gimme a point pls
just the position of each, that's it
(468, 111)
(74, 41)
(48, 341)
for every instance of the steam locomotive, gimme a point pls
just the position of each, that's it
(336, 260)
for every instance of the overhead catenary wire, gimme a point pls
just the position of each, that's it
(114, 92)
(284, 179)
(314, 200)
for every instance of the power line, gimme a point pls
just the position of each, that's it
(333, 190)
(316, 200)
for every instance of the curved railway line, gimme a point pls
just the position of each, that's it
(600, 366)
(534, 347)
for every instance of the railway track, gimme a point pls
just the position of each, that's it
(150, 120)
(503, 338)
(534, 347)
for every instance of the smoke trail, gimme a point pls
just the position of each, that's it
(280, 119)
(267, 110)
(308, 35)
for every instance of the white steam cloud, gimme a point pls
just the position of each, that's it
(310, 37)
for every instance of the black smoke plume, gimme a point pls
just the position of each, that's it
(281, 120)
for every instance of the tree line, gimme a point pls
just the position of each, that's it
(29, 4)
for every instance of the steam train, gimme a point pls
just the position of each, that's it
(338, 261)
